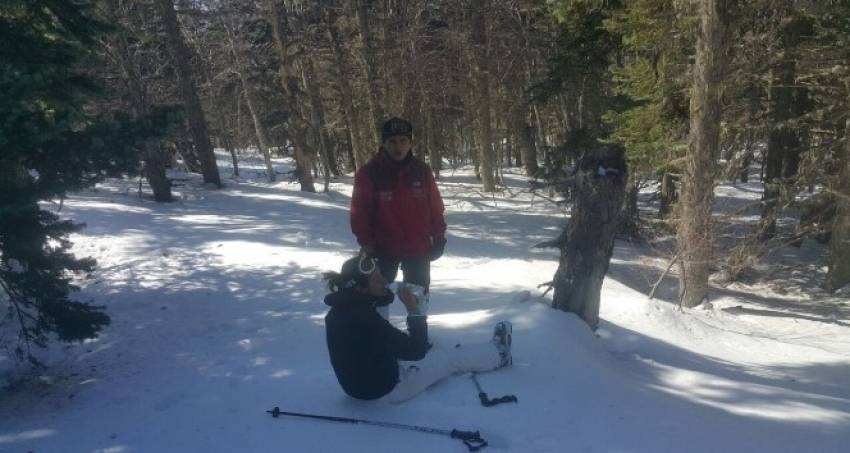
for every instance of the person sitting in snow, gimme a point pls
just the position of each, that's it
(372, 359)
(396, 208)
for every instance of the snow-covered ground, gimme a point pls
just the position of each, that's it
(217, 316)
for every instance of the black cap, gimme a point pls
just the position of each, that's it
(356, 271)
(396, 126)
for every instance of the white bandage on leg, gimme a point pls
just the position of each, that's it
(439, 363)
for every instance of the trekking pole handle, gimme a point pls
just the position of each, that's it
(472, 439)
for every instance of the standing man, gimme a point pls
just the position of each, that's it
(396, 208)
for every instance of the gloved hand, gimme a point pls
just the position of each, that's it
(414, 297)
(438, 246)
(411, 303)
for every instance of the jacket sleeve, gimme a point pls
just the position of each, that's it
(409, 346)
(362, 209)
(435, 204)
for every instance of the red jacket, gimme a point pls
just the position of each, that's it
(396, 207)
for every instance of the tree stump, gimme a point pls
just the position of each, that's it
(588, 241)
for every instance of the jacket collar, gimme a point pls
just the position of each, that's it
(353, 299)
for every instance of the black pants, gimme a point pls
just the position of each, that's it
(417, 269)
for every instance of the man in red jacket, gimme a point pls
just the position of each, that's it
(396, 208)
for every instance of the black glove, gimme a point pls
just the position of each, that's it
(437, 248)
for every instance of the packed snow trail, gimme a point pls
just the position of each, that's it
(217, 316)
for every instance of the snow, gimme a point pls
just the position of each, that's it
(217, 316)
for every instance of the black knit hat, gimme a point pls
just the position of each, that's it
(356, 272)
(396, 126)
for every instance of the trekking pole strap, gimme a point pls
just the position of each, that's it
(486, 401)
(477, 385)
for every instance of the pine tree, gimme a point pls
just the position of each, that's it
(652, 75)
(694, 232)
(52, 143)
(826, 73)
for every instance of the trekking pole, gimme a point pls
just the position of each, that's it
(472, 439)
(487, 402)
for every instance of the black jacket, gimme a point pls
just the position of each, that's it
(365, 348)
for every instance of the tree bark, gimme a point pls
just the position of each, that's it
(156, 161)
(630, 219)
(317, 117)
(668, 194)
(787, 102)
(587, 243)
(369, 64)
(181, 58)
(259, 128)
(228, 145)
(482, 83)
(783, 148)
(694, 233)
(251, 99)
(747, 159)
(435, 143)
(184, 149)
(361, 152)
(524, 133)
(297, 126)
(838, 274)
(154, 158)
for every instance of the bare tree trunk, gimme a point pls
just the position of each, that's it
(370, 63)
(482, 91)
(318, 121)
(259, 128)
(839, 262)
(318, 110)
(185, 150)
(226, 138)
(540, 134)
(297, 127)
(783, 148)
(181, 58)
(228, 145)
(787, 102)
(694, 235)
(743, 169)
(362, 153)
(587, 243)
(154, 157)
(525, 138)
(156, 161)
(630, 218)
(668, 194)
(435, 143)
(781, 142)
(240, 140)
(251, 99)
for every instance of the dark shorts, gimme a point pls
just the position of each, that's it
(416, 269)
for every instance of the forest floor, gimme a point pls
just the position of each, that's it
(217, 316)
